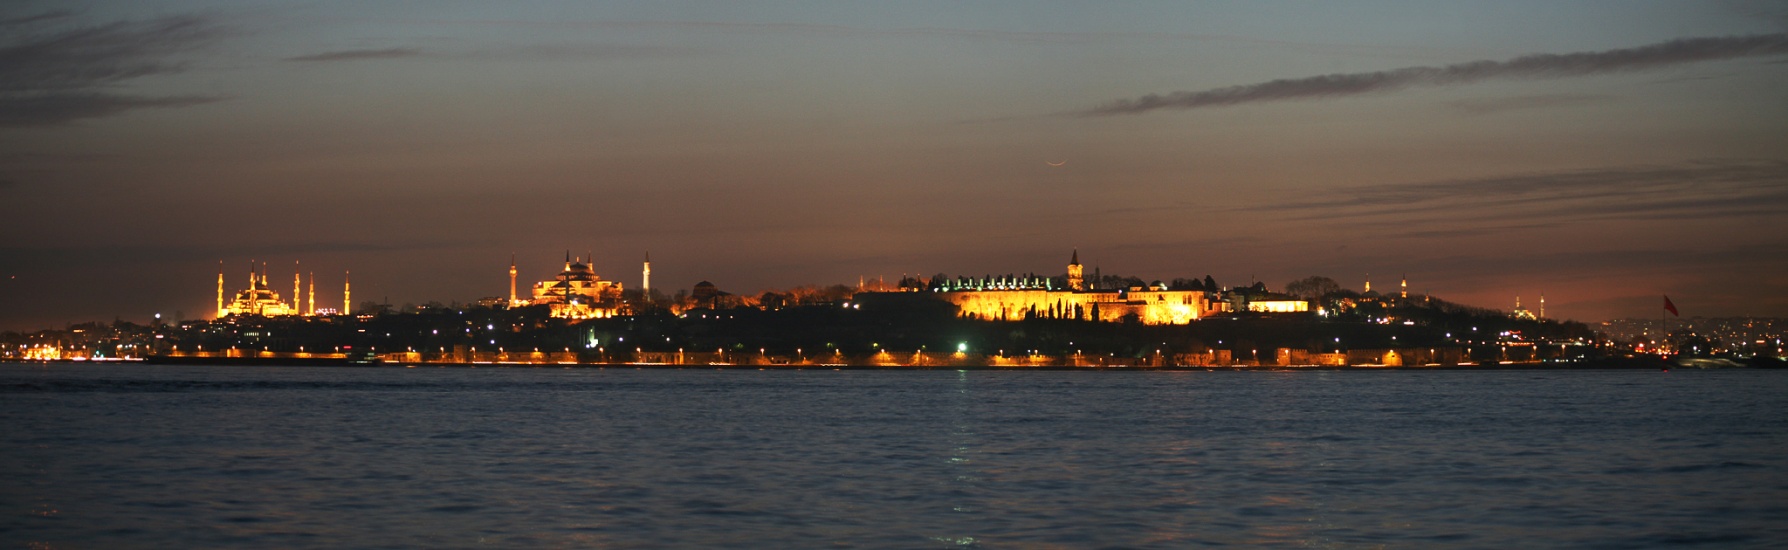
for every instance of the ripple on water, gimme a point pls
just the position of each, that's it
(114, 456)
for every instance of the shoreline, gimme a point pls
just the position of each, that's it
(1602, 364)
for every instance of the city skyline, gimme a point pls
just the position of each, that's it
(1601, 157)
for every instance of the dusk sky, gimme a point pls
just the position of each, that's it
(1601, 153)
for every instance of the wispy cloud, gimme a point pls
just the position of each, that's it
(45, 16)
(534, 52)
(157, 253)
(1700, 189)
(356, 55)
(1500, 104)
(1674, 52)
(53, 78)
(57, 108)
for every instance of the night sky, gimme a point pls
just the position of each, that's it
(1601, 153)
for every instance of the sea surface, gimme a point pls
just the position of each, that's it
(138, 456)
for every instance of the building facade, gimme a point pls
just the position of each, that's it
(1031, 297)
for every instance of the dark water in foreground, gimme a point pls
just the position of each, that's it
(99, 456)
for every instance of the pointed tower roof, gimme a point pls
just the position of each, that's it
(1076, 259)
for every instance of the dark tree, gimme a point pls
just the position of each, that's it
(1313, 287)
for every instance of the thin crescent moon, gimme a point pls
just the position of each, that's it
(1055, 163)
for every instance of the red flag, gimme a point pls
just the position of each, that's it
(1670, 307)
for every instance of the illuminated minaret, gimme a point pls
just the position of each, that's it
(220, 308)
(312, 310)
(347, 294)
(297, 283)
(1404, 287)
(1542, 305)
(264, 276)
(511, 280)
(1076, 278)
(1368, 283)
(645, 278)
(253, 281)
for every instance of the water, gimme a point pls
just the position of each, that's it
(120, 456)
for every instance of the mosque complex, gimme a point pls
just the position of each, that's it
(576, 292)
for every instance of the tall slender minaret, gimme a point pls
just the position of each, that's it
(264, 276)
(1542, 305)
(1368, 283)
(511, 279)
(253, 281)
(297, 283)
(1404, 287)
(645, 278)
(220, 308)
(312, 310)
(347, 293)
(1076, 275)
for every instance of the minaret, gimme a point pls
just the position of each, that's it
(264, 276)
(645, 278)
(312, 310)
(512, 279)
(347, 294)
(297, 283)
(220, 308)
(1076, 278)
(1404, 287)
(253, 282)
(1368, 283)
(1542, 305)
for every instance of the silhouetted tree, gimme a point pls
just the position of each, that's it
(1313, 287)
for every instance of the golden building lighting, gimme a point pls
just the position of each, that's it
(1026, 297)
(576, 292)
(257, 299)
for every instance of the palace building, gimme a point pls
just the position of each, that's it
(1031, 297)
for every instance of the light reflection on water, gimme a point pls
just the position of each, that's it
(109, 456)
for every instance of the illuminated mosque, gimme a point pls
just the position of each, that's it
(260, 298)
(575, 293)
(257, 299)
(1030, 297)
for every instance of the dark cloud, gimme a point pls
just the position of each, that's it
(179, 253)
(53, 78)
(1674, 52)
(45, 16)
(356, 55)
(1700, 189)
(1472, 231)
(1500, 104)
(54, 109)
